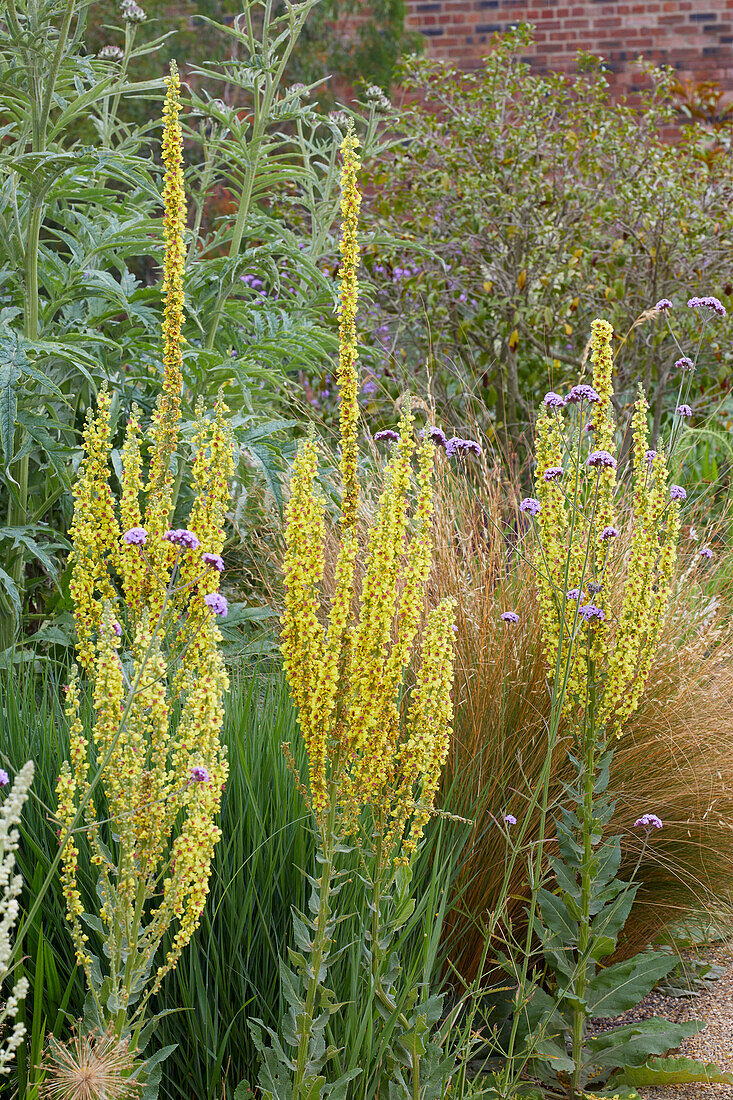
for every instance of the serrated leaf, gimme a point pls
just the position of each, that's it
(621, 986)
(676, 1071)
(12, 363)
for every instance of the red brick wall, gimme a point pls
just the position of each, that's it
(694, 36)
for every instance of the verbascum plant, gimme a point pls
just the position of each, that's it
(375, 751)
(600, 638)
(142, 788)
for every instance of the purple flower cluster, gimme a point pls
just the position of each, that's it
(252, 282)
(387, 435)
(117, 629)
(676, 492)
(509, 617)
(608, 533)
(663, 304)
(457, 446)
(181, 537)
(650, 456)
(531, 506)
(685, 363)
(601, 459)
(216, 603)
(574, 594)
(590, 613)
(554, 473)
(554, 400)
(583, 392)
(136, 536)
(200, 774)
(708, 302)
(648, 822)
(214, 560)
(4, 778)
(706, 553)
(436, 434)
(510, 819)
(684, 410)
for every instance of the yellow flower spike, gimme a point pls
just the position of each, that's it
(165, 421)
(94, 531)
(604, 427)
(301, 635)
(331, 673)
(553, 528)
(429, 719)
(347, 377)
(130, 564)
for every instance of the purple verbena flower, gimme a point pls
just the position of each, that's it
(590, 612)
(181, 537)
(531, 506)
(436, 434)
(554, 473)
(117, 629)
(676, 492)
(509, 617)
(583, 392)
(216, 561)
(554, 400)
(608, 533)
(574, 594)
(388, 435)
(136, 536)
(458, 446)
(663, 304)
(708, 302)
(600, 459)
(648, 822)
(590, 427)
(200, 774)
(650, 456)
(216, 603)
(706, 553)
(685, 363)
(684, 410)
(4, 778)
(510, 819)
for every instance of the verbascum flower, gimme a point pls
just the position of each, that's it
(167, 413)
(131, 566)
(301, 635)
(348, 304)
(425, 750)
(552, 521)
(94, 531)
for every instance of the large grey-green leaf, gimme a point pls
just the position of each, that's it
(13, 362)
(621, 986)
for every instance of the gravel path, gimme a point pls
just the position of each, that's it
(713, 1044)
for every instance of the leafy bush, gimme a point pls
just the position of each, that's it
(527, 205)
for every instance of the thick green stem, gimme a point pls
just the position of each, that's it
(584, 934)
(320, 944)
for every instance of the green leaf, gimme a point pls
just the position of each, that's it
(677, 1071)
(13, 362)
(7, 582)
(621, 986)
(632, 1044)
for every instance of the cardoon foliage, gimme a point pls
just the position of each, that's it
(143, 785)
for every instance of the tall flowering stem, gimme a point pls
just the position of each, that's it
(375, 751)
(142, 787)
(11, 807)
(599, 642)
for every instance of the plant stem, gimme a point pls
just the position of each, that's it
(589, 769)
(320, 942)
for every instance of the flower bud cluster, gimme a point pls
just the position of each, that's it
(12, 1033)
